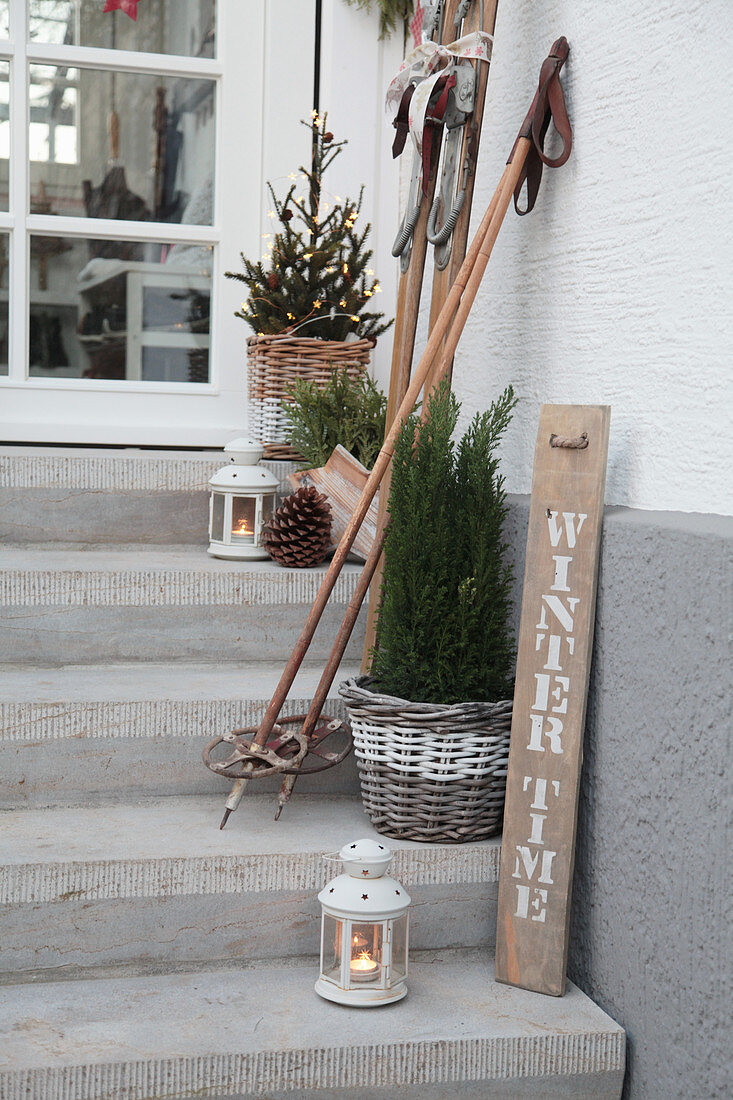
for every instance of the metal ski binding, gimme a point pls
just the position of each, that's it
(432, 28)
(451, 192)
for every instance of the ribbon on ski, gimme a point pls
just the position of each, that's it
(129, 7)
(548, 106)
(419, 70)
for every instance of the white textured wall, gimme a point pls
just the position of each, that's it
(617, 288)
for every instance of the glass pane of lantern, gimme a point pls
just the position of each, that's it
(268, 507)
(243, 519)
(331, 948)
(217, 517)
(366, 953)
(399, 948)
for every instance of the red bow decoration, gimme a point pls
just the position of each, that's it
(129, 7)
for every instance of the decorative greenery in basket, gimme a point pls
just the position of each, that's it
(346, 410)
(431, 729)
(443, 634)
(314, 279)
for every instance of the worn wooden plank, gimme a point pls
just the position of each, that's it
(553, 665)
(342, 479)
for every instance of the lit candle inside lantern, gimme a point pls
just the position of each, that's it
(363, 967)
(242, 528)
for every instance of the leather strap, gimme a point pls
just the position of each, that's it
(444, 86)
(548, 106)
(401, 121)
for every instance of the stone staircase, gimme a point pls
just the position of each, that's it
(144, 954)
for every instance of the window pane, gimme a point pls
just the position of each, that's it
(4, 281)
(121, 145)
(116, 310)
(185, 27)
(4, 23)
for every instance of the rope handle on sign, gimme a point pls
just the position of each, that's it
(548, 106)
(571, 443)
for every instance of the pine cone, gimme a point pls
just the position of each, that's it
(287, 215)
(273, 281)
(299, 533)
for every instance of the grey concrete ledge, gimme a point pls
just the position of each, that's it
(166, 577)
(147, 700)
(105, 470)
(456, 1025)
(173, 847)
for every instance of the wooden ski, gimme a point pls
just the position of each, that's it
(480, 15)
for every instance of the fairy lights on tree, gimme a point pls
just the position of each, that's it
(314, 278)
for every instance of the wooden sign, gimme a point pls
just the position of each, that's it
(342, 479)
(553, 664)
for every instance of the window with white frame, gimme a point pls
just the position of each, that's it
(107, 189)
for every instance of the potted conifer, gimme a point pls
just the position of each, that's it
(310, 296)
(431, 724)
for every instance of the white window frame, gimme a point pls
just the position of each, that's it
(21, 53)
(223, 408)
(263, 72)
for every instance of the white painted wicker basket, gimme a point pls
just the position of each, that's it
(429, 772)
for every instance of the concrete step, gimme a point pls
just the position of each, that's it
(158, 885)
(108, 495)
(261, 1032)
(82, 734)
(90, 605)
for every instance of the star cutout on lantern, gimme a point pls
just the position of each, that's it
(129, 7)
(397, 892)
(365, 897)
(365, 872)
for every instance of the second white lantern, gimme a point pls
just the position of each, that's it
(364, 930)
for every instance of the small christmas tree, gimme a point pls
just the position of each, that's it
(316, 280)
(444, 634)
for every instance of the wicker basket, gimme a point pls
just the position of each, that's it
(429, 772)
(274, 362)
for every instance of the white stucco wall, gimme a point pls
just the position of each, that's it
(617, 289)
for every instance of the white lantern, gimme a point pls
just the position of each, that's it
(242, 500)
(364, 930)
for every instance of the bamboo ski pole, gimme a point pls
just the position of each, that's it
(408, 403)
(336, 655)
(496, 211)
(491, 224)
(448, 328)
